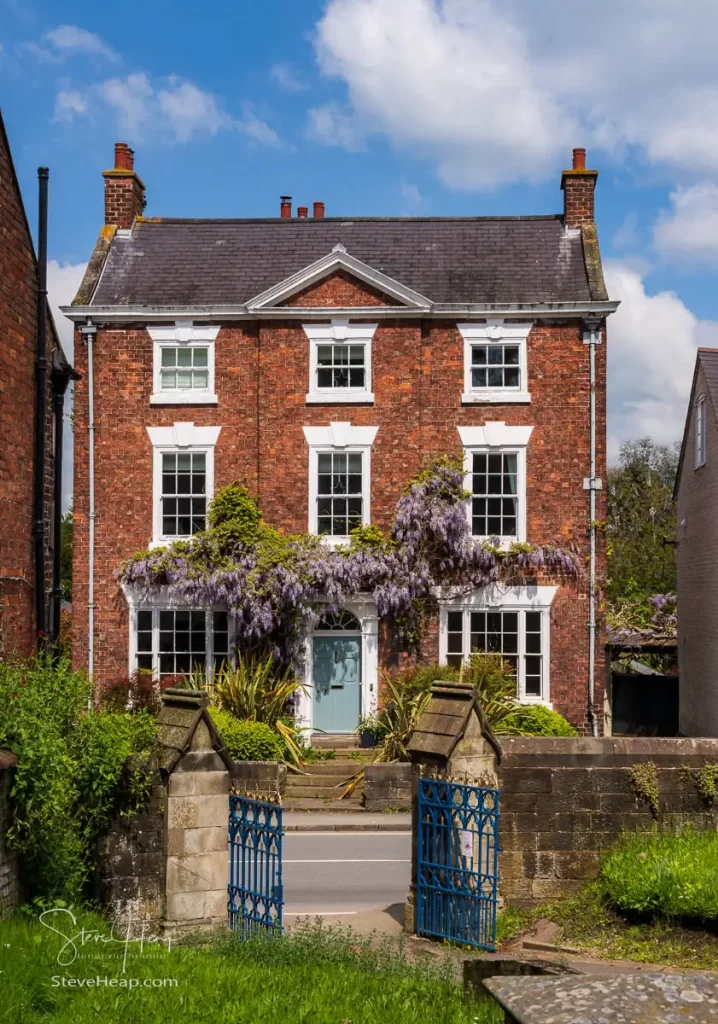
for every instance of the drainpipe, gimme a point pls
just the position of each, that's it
(88, 332)
(62, 374)
(41, 406)
(592, 338)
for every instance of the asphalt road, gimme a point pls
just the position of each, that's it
(344, 873)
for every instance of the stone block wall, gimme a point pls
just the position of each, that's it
(387, 785)
(9, 872)
(129, 879)
(563, 801)
(261, 780)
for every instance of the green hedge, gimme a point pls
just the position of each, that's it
(74, 771)
(536, 720)
(664, 875)
(246, 740)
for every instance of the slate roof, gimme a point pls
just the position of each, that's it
(449, 260)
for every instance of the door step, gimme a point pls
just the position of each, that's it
(290, 803)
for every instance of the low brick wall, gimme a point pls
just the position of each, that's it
(9, 870)
(130, 873)
(387, 785)
(565, 800)
(263, 780)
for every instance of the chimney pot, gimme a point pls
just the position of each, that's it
(302, 211)
(579, 159)
(318, 210)
(124, 157)
(285, 207)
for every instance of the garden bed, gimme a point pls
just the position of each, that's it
(313, 976)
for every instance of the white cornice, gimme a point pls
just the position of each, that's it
(337, 259)
(224, 313)
(494, 435)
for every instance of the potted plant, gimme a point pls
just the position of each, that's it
(370, 732)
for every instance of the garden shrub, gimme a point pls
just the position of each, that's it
(78, 765)
(664, 875)
(537, 720)
(247, 741)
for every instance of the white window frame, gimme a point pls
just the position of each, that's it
(182, 334)
(179, 438)
(497, 437)
(495, 332)
(340, 332)
(339, 437)
(160, 602)
(497, 598)
(701, 438)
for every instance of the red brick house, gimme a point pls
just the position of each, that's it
(294, 351)
(27, 520)
(696, 495)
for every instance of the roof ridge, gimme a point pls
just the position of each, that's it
(345, 219)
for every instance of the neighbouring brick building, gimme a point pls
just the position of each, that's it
(323, 361)
(696, 496)
(18, 403)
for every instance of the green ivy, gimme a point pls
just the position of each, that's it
(706, 781)
(78, 765)
(644, 779)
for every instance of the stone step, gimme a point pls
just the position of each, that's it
(335, 741)
(317, 782)
(308, 804)
(318, 792)
(343, 768)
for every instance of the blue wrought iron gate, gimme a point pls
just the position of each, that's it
(457, 866)
(255, 890)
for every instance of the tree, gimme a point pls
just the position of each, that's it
(66, 556)
(641, 521)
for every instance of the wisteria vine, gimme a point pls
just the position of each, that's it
(277, 586)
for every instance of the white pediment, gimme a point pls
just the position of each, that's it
(338, 259)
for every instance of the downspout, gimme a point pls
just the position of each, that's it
(41, 407)
(88, 332)
(592, 338)
(62, 374)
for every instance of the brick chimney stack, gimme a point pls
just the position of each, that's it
(578, 186)
(124, 190)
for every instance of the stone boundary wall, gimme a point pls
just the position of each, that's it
(387, 785)
(565, 800)
(130, 869)
(10, 893)
(262, 780)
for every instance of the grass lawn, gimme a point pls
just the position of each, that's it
(316, 976)
(590, 925)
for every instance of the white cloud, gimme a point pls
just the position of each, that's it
(411, 198)
(66, 41)
(190, 111)
(169, 109)
(652, 342)
(499, 90)
(63, 280)
(69, 104)
(690, 230)
(285, 76)
(331, 125)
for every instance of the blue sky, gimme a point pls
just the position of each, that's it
(394, 107)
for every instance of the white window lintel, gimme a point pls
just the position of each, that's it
(340, 435)
(495, 434)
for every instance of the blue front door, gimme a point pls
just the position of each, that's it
(336, 682)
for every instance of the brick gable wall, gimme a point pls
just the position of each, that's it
(697, 557)
(18, 325)
(262, 376)
(339, 289)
